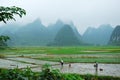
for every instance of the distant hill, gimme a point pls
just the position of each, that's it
(34, 34)
(66, 36)
(98, 36)
(115, 36)
(53, 29)
(75, 31)
(9, 30)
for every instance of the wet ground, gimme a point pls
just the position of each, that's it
(80, 68)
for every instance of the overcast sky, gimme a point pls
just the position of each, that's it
(83, 13)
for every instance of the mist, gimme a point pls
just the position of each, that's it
(83, 13)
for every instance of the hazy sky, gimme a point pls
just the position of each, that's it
(83, 13)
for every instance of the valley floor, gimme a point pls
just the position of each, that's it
(80, 68)
(81, 58)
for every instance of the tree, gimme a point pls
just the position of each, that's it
(8, 13)
(3, 41)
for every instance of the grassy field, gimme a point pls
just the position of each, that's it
(102, 54)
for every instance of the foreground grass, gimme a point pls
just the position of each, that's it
(47, 73)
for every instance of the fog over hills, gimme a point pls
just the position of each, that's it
(115, 37)
(33, 34)
(54, 28)
(83, 13)
(98, 36)
(37, 34)
(66, 36)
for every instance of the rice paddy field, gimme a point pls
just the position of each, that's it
(82, 59)
(84, 54)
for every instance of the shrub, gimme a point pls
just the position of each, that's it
(50, 74)
(47, 73)
(17, 74)
(2, 56)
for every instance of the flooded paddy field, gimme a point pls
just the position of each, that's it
(82, 59)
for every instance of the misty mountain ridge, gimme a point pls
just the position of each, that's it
(115, 37)
(32, 34)
(66, 36)
(36, 34)
(98, 36)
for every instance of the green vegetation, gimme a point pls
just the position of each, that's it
(2, 56)
(86, 60)
(17, 74)
(63, 50)
(103, 54)
(8, 13)
(3, 41)
(91, 77)
(47, 73)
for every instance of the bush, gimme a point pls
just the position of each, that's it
(3, 41)
(50, 74)
(2, 56)
(17, 74)
(92, 77)
(47, 73)
(72, 77)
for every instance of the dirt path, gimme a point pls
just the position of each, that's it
(80, 68)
